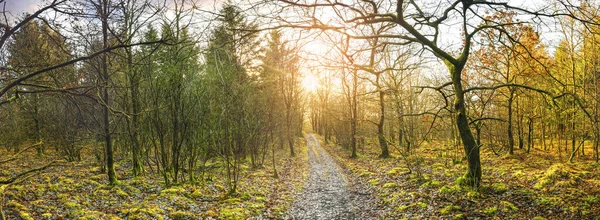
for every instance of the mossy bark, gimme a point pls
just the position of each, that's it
(470, 146)
(385, 153)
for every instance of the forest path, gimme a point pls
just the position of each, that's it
(325, 194)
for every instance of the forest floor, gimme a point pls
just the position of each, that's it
(320, 182)
(77, 190)
(326, 194)
(525, 185)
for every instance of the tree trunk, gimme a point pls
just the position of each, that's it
(470, 146)
(112, 176)
(529, 134)
(385, 153)
(354, 116)
(511, 139)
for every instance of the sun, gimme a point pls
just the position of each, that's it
(310, 83)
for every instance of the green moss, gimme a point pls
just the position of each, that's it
(591, 199)
(219, 187)
(397, 170)
(174, 190)
(17, 188)
(17, 206)
(549, 201)
(422, 205)
(256, 206)
(438, 166)
(54, 187)
(120, 192)
(432, 184)
(72, 205)
(473, 194)
(390, 199)
(146, 212)
(196, 194)
(47, 215)
(462, 181)
(563, 175)
(500, 187)
(131, 189)
(25, 215)
(390, 185)
(232, 201)
(374, 182)
(21, 209)
(508, 206)
(181, 215)
(435, 183)
(449, 209)
(66, 181)
(459, 216)
(539, 218)
(449, 190)
(102, 193)
(491, 210)
(403, 208)
(366, 174)
(98, 177)
(92, 215)
(62, 196)
(232, 213)
(261, 199)
(245, 196)
(90, 182)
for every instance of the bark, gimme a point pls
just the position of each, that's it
(354, 115)
(470, 146)
(112, 176)
(511, 138)
(529, 134)
(385, 153)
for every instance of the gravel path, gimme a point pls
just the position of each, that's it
(326, 194)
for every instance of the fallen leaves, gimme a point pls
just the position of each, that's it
(520, 186)
(79, 191)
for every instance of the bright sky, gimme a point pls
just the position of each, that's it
(550, 38)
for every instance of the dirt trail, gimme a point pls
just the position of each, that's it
(326, 194)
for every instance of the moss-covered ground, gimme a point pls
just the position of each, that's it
(78, 190)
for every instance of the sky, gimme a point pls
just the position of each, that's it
(19, 6)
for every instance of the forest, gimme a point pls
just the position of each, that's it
(299, 109)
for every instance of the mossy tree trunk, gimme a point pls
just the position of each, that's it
(470, 146)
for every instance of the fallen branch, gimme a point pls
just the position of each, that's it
(14, 157)
(25, 173)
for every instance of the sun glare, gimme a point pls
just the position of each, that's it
(310, 83)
